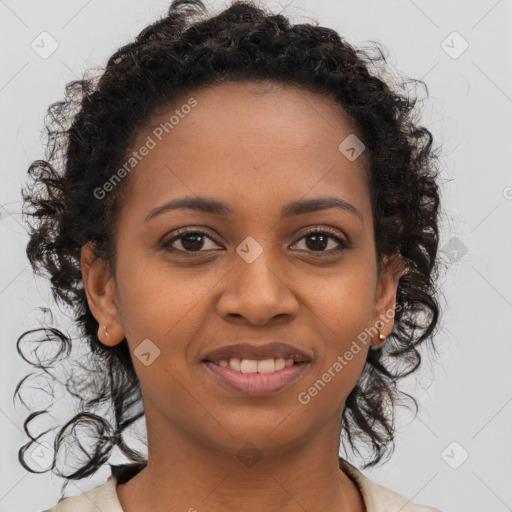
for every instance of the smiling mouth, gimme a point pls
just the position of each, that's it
(245, 378)
(246, 366)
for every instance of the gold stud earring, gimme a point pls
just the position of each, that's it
(105, 330)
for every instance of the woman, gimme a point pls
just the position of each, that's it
(244, 221)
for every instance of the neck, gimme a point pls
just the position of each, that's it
(185, 472)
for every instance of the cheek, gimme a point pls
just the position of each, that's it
(161, 302)
(343, 299)
(341, 310)
(341, 306)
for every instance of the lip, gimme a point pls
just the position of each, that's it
(257, 352)
(257, 384)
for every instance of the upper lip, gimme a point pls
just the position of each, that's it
(257, 352)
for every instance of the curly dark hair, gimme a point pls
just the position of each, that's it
(89, 135)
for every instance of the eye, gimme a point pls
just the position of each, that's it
(193, 240)
(190, 240)
(319, 240)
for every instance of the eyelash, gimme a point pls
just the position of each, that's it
(187, 231)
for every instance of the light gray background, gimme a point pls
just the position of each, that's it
(466, 396)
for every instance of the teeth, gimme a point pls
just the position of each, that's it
(279, 364)
(234, 363)
(263, 366)
(254, 366)
(248, 366)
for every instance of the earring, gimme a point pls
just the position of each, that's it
(381, 338)
(105, 330)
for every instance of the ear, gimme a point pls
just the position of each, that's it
(385, 298)
(99, 287)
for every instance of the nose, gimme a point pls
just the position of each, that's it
(257, 292)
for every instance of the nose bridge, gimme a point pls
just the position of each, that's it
(256, 289)
(258, 265)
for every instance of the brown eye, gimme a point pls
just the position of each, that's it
(318, 240)
(190, 241)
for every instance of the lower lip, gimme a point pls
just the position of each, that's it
(257, 384)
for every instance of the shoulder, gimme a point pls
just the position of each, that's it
(102, 497)
(378, 498)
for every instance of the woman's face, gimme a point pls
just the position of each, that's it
(254, 275)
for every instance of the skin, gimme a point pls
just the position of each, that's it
(186, 306)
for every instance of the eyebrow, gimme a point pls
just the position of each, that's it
(214, 207)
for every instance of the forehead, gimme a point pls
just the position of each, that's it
(259, 113)
(243, 140)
